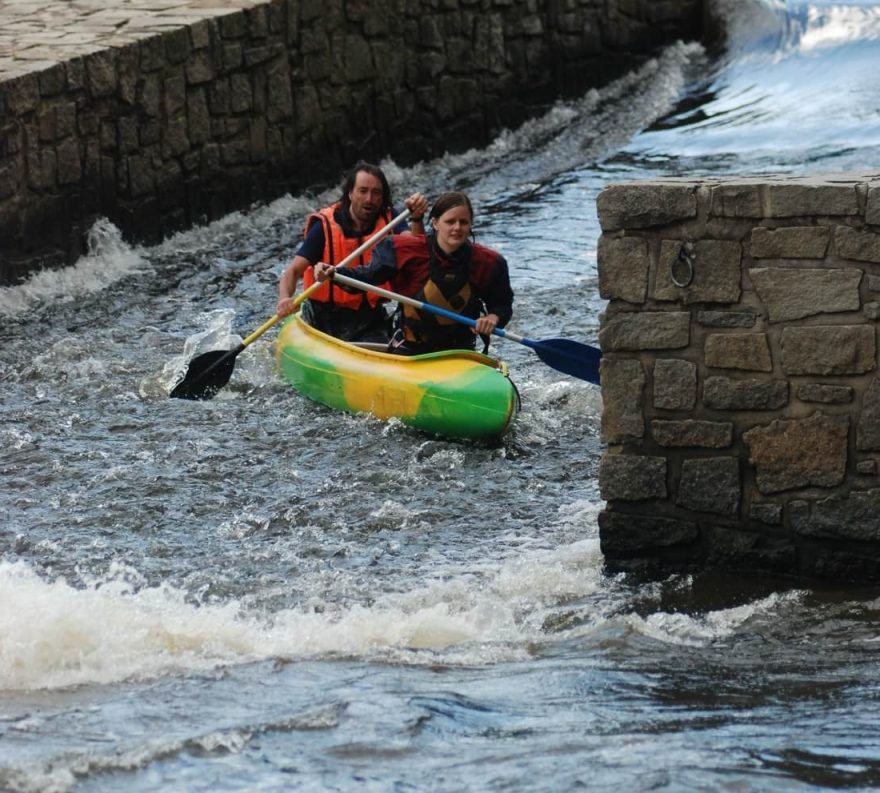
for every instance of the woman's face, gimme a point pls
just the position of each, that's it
(452, 228)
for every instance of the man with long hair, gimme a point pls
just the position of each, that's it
(331, 234)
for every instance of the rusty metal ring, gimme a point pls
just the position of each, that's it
(686, 257)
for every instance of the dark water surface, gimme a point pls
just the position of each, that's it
(256, 593)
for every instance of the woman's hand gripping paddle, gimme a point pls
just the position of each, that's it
(209, 372)
(571, 357)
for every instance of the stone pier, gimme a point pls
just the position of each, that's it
(740, 376)
(160, 114)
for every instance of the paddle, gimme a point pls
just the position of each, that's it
(571, 357)
(209, 372)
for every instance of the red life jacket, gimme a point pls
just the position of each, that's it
(336, 247)
(450, 285)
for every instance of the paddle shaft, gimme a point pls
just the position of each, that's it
(210, 371)
(572, 357)
(364, 246)
(429, 307)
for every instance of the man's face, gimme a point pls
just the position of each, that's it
(366, 199)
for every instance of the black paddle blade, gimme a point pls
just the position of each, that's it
(206, 375)
(571, 357)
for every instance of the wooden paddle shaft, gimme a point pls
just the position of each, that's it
(410, 301)
(300, 298)
(571, 357)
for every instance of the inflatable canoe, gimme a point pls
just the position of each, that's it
(456, 393)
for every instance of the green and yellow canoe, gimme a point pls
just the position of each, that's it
(456, 393)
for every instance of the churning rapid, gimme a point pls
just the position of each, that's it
(257, 593)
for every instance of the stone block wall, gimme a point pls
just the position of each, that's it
(740, 376)
(165, 113)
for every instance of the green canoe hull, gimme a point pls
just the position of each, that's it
(456, 393)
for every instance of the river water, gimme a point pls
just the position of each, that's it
(255, 593)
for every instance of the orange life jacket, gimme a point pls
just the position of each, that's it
(336, 247)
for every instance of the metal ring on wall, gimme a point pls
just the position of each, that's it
(686, 258)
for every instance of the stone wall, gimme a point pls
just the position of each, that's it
(739, 376)
(163, 118)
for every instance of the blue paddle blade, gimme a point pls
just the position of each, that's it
(571, 357)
